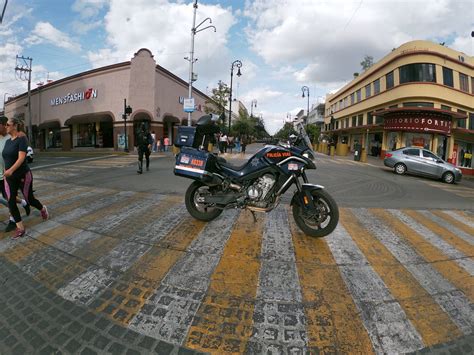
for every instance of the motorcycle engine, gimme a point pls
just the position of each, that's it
(259, 190)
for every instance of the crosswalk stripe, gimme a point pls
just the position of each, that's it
(433, 240)
(451, 300)
(383, 317)
(118, 256)
(169, 312)
(334, 324)
(451, 238)
(278, 318)
(462, 217)
(466, 236)
(456, 222)
(423, 312)
(129, 293)
(223, 322)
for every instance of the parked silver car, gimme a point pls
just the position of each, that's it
(419, 161)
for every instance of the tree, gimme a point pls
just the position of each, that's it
(285, 131)
(367, 62)
(219, 99)
(313, 132)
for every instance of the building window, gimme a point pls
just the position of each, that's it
(354, 121)
(378, 119)
(463, 82)
(360, 120)
(417, 72)
(448, 77)
(359, 95)
(389, 79)
(368, 92)
(346, 101)
(347, 122)
(471, 121)
(337, 124)
(418, 104)
(352, 99)
(376, 86)
(462, 121)
(444, 107)
(370, 118)
(472, 84)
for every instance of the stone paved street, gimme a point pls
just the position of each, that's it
(128, 272)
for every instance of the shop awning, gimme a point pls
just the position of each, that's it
(50, 124)
(89, 118)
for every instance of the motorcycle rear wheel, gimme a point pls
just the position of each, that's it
(317, 223)
(197, 209)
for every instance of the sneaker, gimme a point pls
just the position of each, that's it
(19, 233)
(10, 226)
(27, 209)
(44, 213)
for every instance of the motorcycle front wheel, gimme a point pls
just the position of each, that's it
(196, 208)
(318, 222)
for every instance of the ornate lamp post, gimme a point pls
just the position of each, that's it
(306, 89)
(238, 64)
(252, 105)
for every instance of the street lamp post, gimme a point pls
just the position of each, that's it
(191, 59)
(306, 89)
(252, 105)
(236, 63)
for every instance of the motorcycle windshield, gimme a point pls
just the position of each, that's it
(302, 133)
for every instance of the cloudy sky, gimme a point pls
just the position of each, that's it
(283, 44)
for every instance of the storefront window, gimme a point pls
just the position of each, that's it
(53, 138)
(85, 135)
(418, 140)
(392, 140)
(464, 154)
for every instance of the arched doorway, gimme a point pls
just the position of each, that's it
(50, 132)
(138, 119)
(92, 130)
(169, 122)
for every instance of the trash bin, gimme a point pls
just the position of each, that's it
(357, 151)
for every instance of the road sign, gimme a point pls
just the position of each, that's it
(188, 105)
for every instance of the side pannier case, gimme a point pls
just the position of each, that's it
(195, 164)
(185, 137)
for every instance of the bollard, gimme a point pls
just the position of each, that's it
(363, 156)
(332, 151)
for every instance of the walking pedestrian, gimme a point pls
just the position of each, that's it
(153, 136)
(18, 175)
(3, 200)
(223, 143)
(244, 144)
(166, 143)
(143, 144)
(237, 144)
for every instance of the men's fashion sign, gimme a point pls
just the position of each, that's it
(418, 124)
(74, 97)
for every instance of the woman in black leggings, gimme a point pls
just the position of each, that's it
(18, 175)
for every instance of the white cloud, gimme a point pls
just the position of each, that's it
(89, 8)
(330, 38)
(44, 32)
(165, 29)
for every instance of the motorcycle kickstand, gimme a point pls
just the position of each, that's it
(254, 217)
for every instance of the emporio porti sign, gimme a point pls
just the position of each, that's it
(74, 97)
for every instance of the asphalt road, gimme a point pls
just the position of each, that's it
(121, 267)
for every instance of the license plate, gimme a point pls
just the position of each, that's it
(184, 159)
(292, 166)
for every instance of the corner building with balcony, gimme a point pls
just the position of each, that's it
(86, 110)
(421, 94)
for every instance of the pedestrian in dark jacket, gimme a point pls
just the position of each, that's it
(144, 143)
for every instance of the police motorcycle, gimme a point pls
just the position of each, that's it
(258, 184)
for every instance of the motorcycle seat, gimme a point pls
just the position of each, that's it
(234, 168)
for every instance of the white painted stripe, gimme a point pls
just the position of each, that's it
(467, 221)
(389, 329)
(460, 233)
(169, 312)
(279, 293)
(85, 288)
(450, 299)
(68, 162)
(446, 248)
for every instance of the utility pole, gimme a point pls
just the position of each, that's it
(191, 59)
(23, 65)
(3, 11)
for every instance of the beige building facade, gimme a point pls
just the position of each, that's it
(420, 94)
(86, 110)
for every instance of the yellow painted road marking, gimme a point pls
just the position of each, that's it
(431, 322)
(334, 324)
(447, 235)
(449, 269)
(130, 292)
(454, 222)
(25, 249)
(223, 322)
